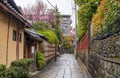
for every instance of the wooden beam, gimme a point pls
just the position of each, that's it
(7, 40)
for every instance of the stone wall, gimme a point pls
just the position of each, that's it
(109, 47)
(102, 62)
(83, 56)
(102, 67)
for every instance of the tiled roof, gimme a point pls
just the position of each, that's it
(36, 35)
(13, 4)
(19, 16)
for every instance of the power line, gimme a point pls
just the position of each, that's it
(51, 4)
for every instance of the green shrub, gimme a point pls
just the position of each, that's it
(105, 18)
(18, 69)
(2, 71)
(40, 59)
(16, 72)
(87, 9)
(50, 35)
(24, 63)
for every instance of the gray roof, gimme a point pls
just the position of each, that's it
(13, 9)
(35, 35)
(65, 15)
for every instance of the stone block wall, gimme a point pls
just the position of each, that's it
(102, 62)
(83, 56)
(102, 67)
(109, 47)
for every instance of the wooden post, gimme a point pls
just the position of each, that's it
(89, 42)
(7, 40)
(55, 52)
(34, 54)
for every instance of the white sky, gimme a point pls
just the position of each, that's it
(64, 6)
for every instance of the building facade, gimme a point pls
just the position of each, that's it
(40, 44)
(12, 25)
(65, 24)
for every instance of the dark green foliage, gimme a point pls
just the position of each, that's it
(40, 59)
(67, 44)
(85, 13)
(46, 30)
(24, 63)
(110, 15)
(18, 69)
(105, 19)
(50, 35)
(16, 72)
(58, 32)
(39, 25)
(2, 71)
(81, 2)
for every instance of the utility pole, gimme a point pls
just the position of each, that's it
(56, 10)
(57, 17)
(75, 52)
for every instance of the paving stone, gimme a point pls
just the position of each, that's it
(66, 66)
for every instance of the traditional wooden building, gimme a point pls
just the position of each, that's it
(12, 25)
(33, 43)
(16, 42)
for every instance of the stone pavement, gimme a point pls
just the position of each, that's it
(65, 67)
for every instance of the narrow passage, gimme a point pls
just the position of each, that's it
(66, 66)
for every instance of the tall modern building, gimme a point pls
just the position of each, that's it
(65, 24)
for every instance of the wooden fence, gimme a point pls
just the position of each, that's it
(50, 51)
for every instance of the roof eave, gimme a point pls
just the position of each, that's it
(15, 14)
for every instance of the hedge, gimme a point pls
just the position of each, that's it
(40, 60)
(18, 69)
(24, 63)
(2, 71)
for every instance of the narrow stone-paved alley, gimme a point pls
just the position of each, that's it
(66, 66)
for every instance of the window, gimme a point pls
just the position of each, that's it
(14, 35)
(20, 38)
(64, 18)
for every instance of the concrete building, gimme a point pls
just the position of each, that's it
(65, 24)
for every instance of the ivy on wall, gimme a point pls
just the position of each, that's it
(105, 17)
(85, 12)
(81, 2)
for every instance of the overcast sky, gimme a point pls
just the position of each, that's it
(64, 6)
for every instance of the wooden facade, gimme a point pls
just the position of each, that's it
(32, 39)
(15, 41)
(11, 33)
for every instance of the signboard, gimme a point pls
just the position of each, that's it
(33, 49)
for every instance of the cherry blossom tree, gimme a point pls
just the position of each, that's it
(35, 12)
